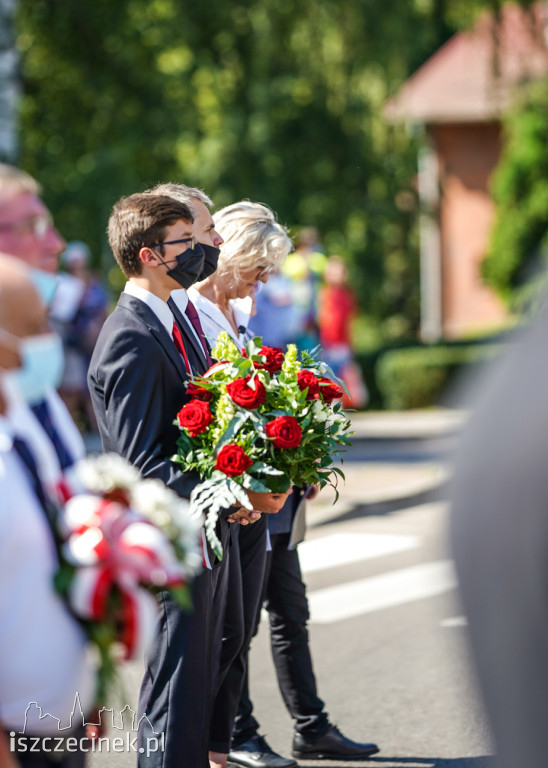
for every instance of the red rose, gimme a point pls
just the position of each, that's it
(197, 392)
(245, 395)
(284, 431)
(274, 359)
(232, 460)
(329, 390)
(195, 417)
(307, 380)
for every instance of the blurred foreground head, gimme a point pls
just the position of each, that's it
(26, 229)
(26, 341)
(499, 534)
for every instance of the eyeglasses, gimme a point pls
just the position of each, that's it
(190, 240)
(33, 225)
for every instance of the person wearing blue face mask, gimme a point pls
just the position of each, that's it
(42, 648)
(28, 234)
(34, 405)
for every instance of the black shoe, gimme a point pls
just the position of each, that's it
(331, 745)
(256, 753)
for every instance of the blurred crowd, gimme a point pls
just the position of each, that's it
(308, 301)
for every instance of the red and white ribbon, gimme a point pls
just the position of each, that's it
(115, 549)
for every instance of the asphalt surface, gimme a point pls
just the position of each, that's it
(387, 634)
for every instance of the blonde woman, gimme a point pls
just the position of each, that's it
(255, 244)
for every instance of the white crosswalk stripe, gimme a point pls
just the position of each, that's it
(345, 548)
(345, 601)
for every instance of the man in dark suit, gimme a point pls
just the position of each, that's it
(137, 377)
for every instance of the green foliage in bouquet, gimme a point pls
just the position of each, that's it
(260, 420)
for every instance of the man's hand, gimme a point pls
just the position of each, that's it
(270, 503)
(244, 516)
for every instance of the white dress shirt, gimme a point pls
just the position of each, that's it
(43, 655)
(153, 302)
(161, 308)
(214, 321)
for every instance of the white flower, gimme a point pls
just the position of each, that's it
(102, 474)
(78, 511)
(169, 512)
(319, 411)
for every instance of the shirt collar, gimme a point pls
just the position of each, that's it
(153, 302)
(180, 297)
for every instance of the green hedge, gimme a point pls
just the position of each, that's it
(418, 377)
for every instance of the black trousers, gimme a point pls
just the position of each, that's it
(285, 600)
(177, 689)
(243, 597)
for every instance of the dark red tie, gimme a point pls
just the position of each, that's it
(179, 343)
(192, 314)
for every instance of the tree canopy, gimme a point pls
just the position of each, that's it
(519, 237)
(272, 100)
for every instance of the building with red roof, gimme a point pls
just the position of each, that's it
(459, 95)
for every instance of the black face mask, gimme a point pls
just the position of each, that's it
(189, 267)
(211, 260)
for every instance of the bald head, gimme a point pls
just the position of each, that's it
(21, 310)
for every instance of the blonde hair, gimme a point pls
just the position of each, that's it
(13, 180)
(253, 239)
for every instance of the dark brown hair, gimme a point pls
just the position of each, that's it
(138, 221)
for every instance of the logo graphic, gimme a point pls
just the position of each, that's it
(127, 722)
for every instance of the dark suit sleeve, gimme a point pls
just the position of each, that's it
(136, 394)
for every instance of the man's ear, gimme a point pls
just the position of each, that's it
(149, 257)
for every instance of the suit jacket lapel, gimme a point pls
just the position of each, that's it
(155, 327)
(189, 338)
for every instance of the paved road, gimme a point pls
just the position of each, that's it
(387, 632)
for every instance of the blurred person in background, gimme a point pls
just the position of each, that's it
(304, 269)
(499, 535)
(28, 234)
(336, 310)
(275, 319)
(42, 647)
(78, 310)
(253, 243)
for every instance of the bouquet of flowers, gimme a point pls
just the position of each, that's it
(261, 420)
(121, 539)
